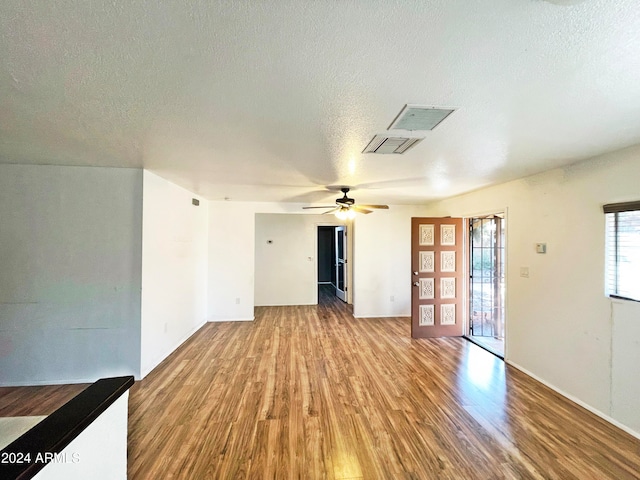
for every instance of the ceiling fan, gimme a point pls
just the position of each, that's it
(347, 208)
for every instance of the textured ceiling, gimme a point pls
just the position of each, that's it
(275, 100)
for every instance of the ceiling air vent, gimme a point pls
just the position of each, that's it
(387, 144)
(419, 117)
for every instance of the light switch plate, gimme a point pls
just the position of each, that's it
(541, 247)
(524, 272)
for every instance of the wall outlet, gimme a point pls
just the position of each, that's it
(524, 272)
(237, 300)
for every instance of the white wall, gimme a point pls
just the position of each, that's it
(382, 262)
(231, 261)
(232, 256)
(174, 268)
(70, 273)
(286, 269)
(381, 259)
(559, 322)
(625, 353)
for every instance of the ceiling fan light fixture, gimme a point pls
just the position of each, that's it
(347, 208)
(345, 213)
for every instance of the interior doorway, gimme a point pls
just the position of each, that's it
(326, 254)
(486, 282)
(341, 263)
(332, 262)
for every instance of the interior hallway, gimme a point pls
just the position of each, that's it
(327, 296)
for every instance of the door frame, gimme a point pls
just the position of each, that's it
(348, 224)
(467, 239)
(341, 294)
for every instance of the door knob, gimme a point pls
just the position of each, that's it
(416, 284)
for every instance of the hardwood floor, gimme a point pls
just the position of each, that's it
(310, 392)
(29, 401)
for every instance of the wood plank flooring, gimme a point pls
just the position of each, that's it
(310, 392)
(39, 400)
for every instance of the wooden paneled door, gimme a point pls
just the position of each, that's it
(437, 277)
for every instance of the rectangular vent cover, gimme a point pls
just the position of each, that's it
(392, 145)
(419, 117)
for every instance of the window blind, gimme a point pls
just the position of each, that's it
(623, 250)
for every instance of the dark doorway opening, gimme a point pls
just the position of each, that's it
(326, 256)
(332, 263)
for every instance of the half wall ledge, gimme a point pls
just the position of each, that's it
(54, 433)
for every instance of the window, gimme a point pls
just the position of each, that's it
(623, 250)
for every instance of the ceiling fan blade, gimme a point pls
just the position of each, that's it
(332, 210)
(359, 209)
(385, 207)
(326, 206)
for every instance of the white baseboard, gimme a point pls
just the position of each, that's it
(48, 382)
(286, 305)
(576, 400)
(158, 360)
(216, 320)
(402, 315)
